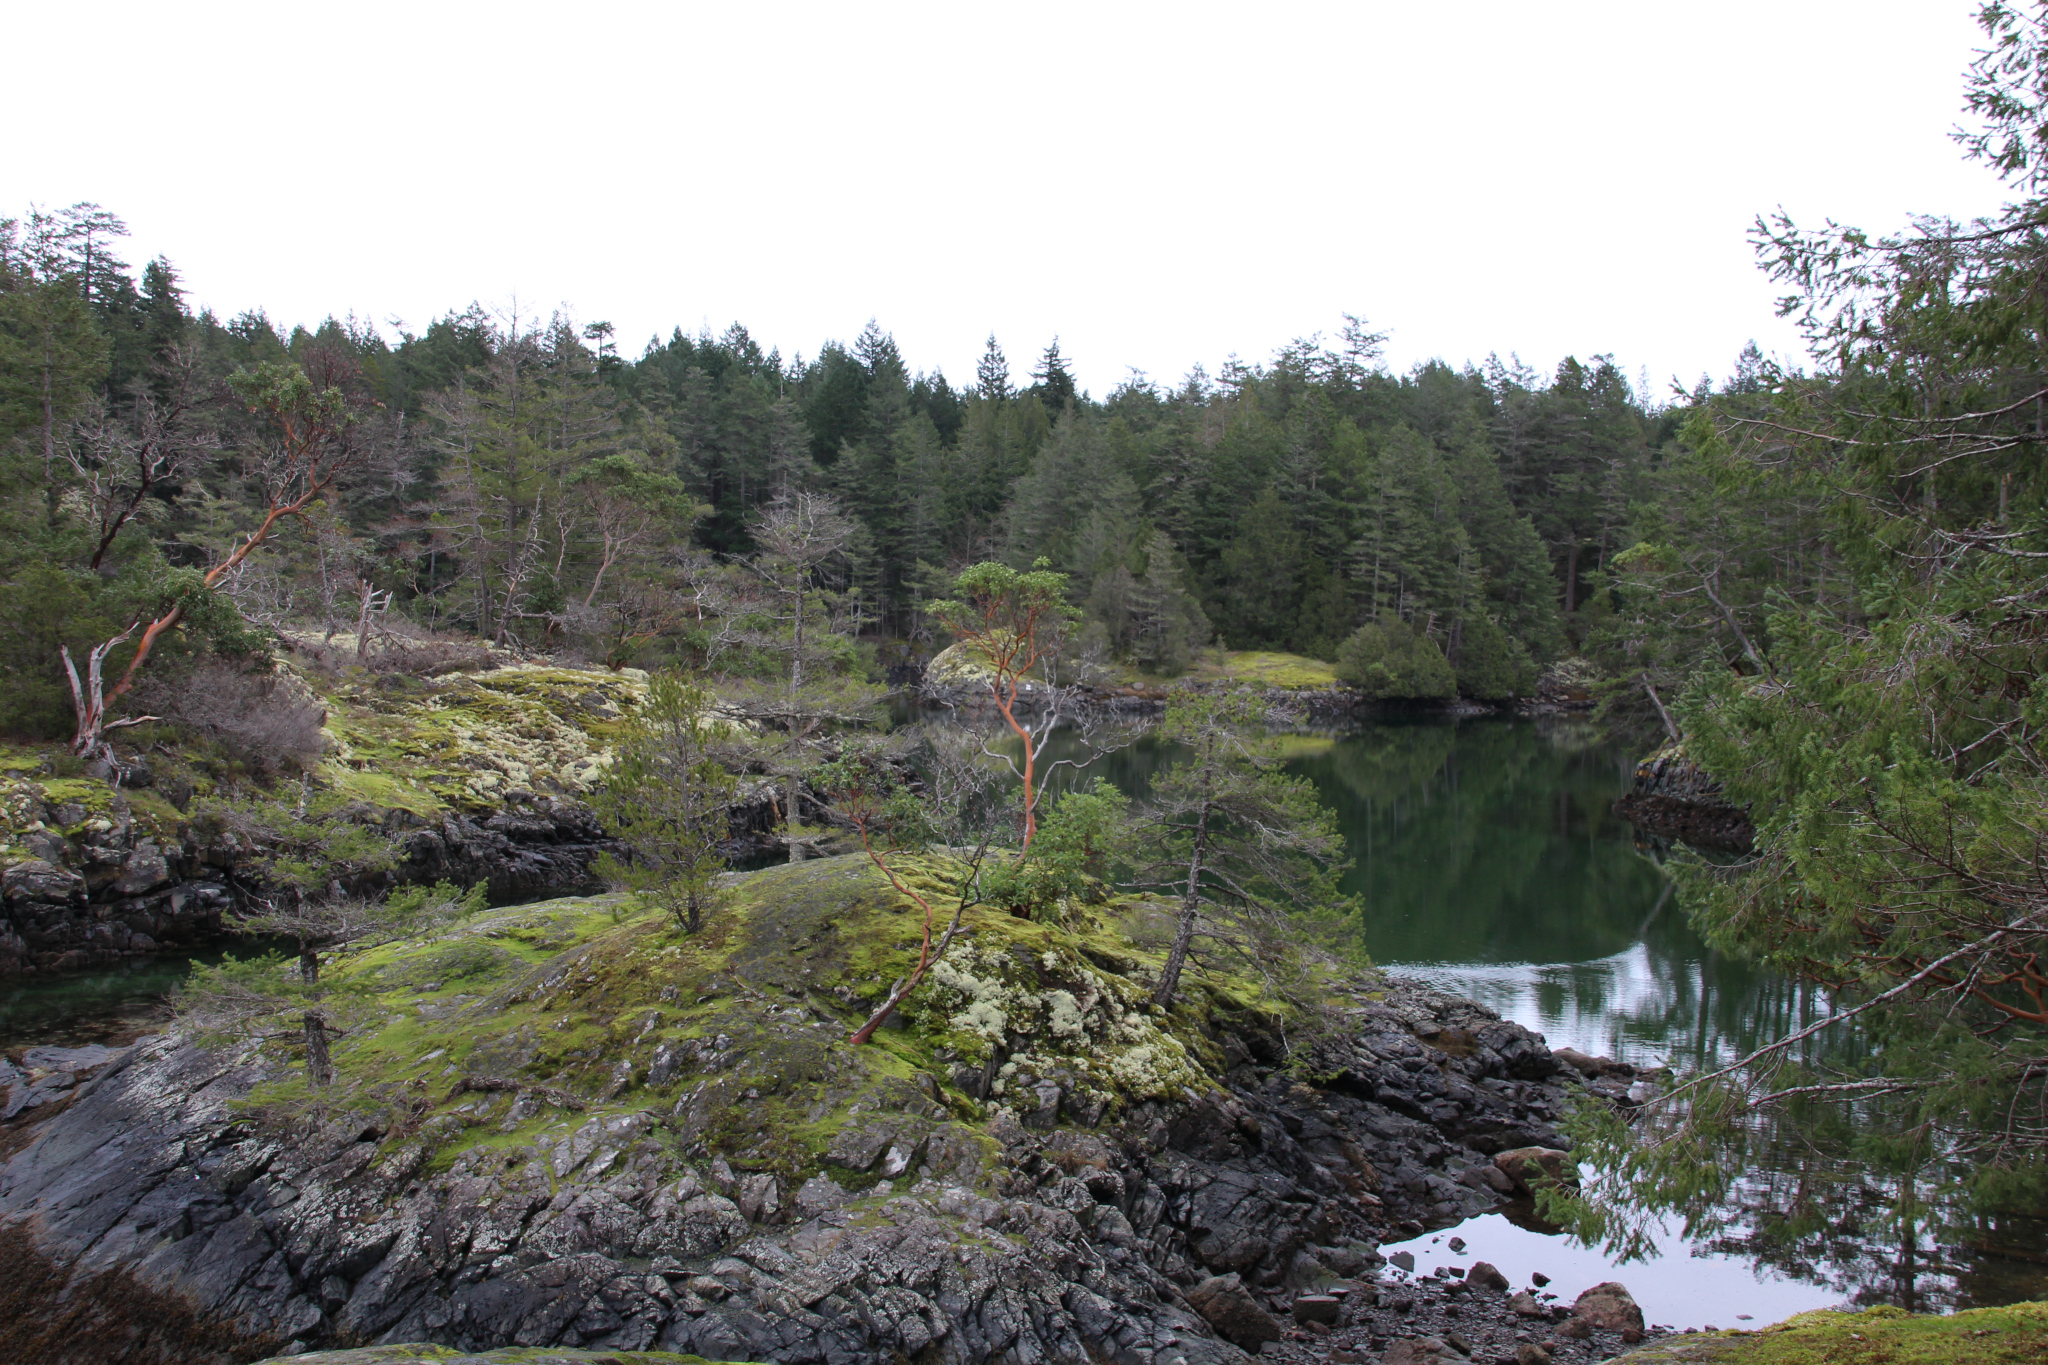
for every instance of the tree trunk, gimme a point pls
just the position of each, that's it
(319, 1067)
(796, 845)
(797, 852)
(1190, 915)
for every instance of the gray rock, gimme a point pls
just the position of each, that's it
(143, 871)
(1609, 1307)
(1230, 1308)
(1483, 1275)
(36, 880)
(88, 1058)
(820, 1194)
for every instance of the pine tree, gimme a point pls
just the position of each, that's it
(992, 375)
(1247, 850)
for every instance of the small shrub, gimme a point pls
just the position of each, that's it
(266, 721)
(1492, 665)
(1390, 660)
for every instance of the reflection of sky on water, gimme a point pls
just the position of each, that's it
(1687, 1287)
(1490, 864)
(1633, 1006)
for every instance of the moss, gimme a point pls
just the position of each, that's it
(1268, 669)
(558, 994)
(468, 741)
(1877, 1336)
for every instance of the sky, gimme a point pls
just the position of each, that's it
(1159, 185)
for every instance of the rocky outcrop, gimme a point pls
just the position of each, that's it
(564, 1125)
(1674, 798)
(534, 846)
(98, 885)
(1140, 1241)
(104, 884)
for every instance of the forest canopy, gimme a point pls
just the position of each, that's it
(522, 481)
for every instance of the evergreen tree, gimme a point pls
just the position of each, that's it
(992, 375)
(1245, 849)
(1055, 384)
(1389, 660)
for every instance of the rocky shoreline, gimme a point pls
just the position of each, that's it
(589, 1214)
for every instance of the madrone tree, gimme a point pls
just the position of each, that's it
(1245, 848)
(1013, 624)
(310, 443)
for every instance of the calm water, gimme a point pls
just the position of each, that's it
(1491, 864)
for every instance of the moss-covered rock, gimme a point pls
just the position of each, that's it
(2016, 1334)
(466, 741)
(567, 1124)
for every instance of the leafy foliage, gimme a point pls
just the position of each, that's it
(1391, 660)
(667, 795)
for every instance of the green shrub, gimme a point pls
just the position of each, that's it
(1492, 665)
(1390, 660)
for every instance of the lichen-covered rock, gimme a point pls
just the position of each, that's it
(573, 1128)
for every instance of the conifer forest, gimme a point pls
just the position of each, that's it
(294, 608)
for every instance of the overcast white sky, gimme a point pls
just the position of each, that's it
(1158, 184)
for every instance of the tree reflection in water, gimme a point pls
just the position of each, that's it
(1493, 866)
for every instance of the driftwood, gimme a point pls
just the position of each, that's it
(560, 1098)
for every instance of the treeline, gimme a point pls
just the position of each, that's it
(523, 481)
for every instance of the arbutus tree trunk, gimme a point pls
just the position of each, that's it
(313, 451)
(89, 701)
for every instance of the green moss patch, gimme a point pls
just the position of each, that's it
(467, 741)
(2016, 1334)
(1267, 669)
(732, 1042)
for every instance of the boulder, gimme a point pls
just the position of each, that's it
(1321, 1308)
(1608, 1307)
(36, 880)
(1483, 1275)
(1524, 1305)
(820, 1194)
(1233, 1312)
(1420, 1351)
(1528, 1165)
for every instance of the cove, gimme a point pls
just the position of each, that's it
(1492, 866)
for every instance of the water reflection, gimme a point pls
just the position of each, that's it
(1491, 865)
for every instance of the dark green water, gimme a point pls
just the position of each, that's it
(108, 1005)
(1491, 864)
